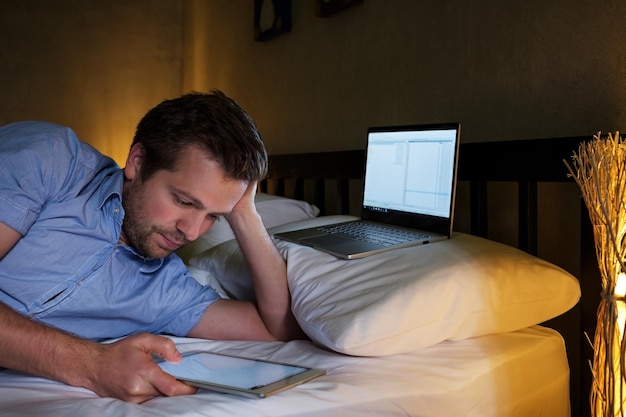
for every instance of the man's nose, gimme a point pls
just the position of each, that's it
(192, 226)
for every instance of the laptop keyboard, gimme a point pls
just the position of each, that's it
(372, 233)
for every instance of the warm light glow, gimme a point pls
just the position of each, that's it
(620, 293)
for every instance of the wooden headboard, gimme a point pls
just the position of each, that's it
(516, 192)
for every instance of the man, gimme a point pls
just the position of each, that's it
(86, 247)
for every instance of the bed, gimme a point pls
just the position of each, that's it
(487, 323)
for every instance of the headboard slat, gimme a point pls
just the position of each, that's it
(478, 208)
(528, 216)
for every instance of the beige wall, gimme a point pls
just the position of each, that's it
(94, 65)
(503, 69)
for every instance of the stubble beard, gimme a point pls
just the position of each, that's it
(136, 230)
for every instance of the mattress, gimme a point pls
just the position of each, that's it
(521, 373)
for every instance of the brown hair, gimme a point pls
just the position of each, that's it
(212, 121)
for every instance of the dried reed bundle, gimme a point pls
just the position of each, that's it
(599, 169)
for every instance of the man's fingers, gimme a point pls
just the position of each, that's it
(162, 381)
(167, 350)
(168, 385)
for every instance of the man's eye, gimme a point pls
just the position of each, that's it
(183, 202)
(215, 217)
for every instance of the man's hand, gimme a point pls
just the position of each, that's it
(125, 369)
(246, 203)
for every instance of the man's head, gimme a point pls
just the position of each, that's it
(213, 122)
(191, 161)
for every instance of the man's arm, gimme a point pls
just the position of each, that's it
(271, 318)
(8, 239)
(123, 370)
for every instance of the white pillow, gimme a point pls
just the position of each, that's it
(274, 211)
(225, 261)
(411, 298)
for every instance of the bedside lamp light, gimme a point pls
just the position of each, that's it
(599, 169)
(619, 392)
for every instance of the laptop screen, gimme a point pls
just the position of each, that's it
(411, 169)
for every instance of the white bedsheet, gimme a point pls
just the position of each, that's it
(523, 373)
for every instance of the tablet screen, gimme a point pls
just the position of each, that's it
(229, 370)
(236, 375)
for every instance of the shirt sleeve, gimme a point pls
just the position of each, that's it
(190, 299)
(36, 161)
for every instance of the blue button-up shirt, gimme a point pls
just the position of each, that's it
(68, 269)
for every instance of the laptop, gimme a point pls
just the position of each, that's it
(408, 193)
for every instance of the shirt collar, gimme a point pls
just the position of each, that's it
(112, 187)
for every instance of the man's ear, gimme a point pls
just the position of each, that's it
(134, 161)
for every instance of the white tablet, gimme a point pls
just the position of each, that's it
(237, 375)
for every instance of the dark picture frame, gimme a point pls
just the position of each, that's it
(281, 10)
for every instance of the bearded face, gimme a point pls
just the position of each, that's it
(172, 208)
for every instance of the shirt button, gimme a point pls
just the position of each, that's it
(116, 210)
